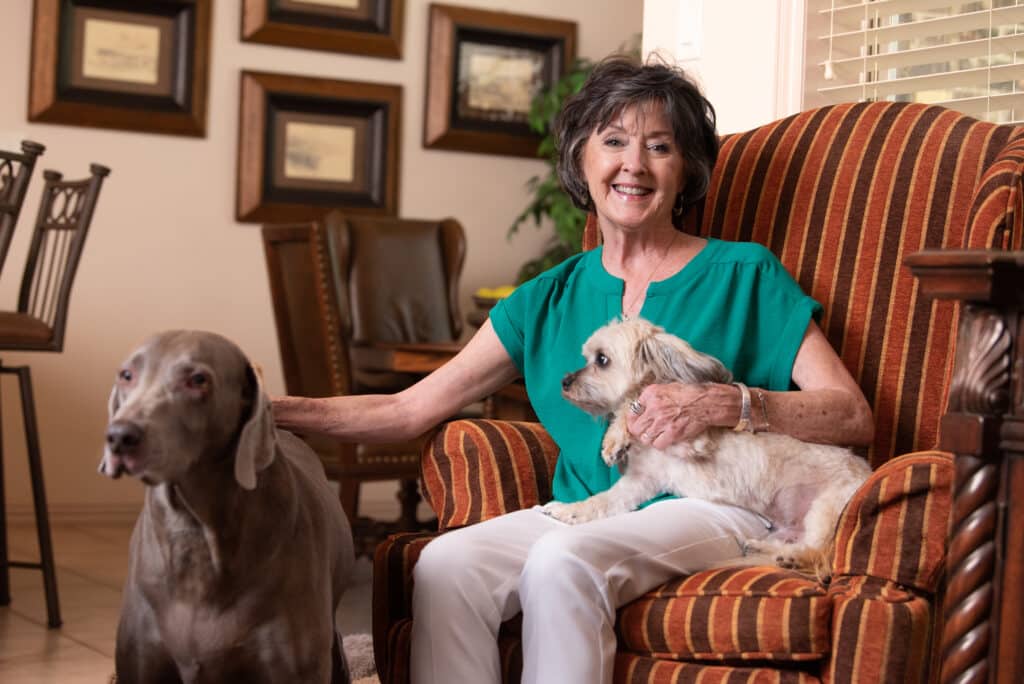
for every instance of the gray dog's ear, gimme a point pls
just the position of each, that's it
(672, 359)
(257, 443)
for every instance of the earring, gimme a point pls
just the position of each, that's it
(677, 208)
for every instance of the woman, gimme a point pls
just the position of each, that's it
(636, 147)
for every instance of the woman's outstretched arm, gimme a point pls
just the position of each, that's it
(477, 371)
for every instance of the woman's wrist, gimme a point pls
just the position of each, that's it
(748, 409)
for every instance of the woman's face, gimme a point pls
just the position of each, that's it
(634, 169)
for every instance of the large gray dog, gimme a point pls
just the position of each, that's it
(241, 552)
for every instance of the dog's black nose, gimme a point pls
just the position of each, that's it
(568, 380)
(123, 437)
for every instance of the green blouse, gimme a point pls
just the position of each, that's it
(733, 300)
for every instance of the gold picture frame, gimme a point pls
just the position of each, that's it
(308, 144)
(359, 27)
(142, 66)
(483, 70)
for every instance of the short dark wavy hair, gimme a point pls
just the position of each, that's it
(618, 82)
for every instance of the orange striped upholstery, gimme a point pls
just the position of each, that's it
(632, 668)
(841, 195)
(731, 614)
(393, 562)
(880, 632)
(478, 469)
(894, 526)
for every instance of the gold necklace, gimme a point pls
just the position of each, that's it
(650, 276)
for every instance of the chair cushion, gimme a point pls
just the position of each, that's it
(22, 329)
(730, 614)
(634, 669)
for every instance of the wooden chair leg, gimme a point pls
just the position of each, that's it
(409, 497)
(348, 493)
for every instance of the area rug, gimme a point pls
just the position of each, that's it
(359, 654)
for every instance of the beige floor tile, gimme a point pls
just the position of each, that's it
(92, 562)
(32, 653)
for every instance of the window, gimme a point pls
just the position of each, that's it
(967, 56)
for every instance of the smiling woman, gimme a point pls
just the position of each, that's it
(635, 143)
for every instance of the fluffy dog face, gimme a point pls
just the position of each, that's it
(181, 398)
(625, 356)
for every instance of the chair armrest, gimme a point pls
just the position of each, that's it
(403, 357)
(475, 469)
(393, 562)
(900, 624)
(894, 526)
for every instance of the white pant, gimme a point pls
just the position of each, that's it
(566, 579)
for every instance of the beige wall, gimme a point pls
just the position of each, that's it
(747, 54)
(165, 251)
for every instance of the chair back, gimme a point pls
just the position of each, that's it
(396, 280)
(65, 213)
(841, 195)
(15, 174)
(339, 282)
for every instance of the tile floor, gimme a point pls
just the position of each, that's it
(92, 561)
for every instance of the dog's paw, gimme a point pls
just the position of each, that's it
(615, 455)
(787, 562)
(571, 513)
(615, 447)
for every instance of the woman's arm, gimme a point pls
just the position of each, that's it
(829, 408)
(478, 370)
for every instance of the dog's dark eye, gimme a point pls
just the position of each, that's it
(197, 380)
(125, 375)
(601, 360)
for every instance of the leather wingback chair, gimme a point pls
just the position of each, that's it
(347, 292)
(842, 195)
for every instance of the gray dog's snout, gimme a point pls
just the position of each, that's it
(568, 380)
(123, 437)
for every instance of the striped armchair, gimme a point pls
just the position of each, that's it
(842, 195)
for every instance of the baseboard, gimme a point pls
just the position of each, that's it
(76, 513)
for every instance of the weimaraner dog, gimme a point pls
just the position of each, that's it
(241, 552)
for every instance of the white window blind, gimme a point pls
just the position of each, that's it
(967, 56)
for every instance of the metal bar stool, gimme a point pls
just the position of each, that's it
(38, 324)
(15, 174)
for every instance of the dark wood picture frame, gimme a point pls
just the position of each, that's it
(530, 52)
(306, 145)
(373, 27)
(137, 66)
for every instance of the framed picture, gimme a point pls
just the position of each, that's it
(138, 66)
(483, 69)
(306, 145)
(361, 27)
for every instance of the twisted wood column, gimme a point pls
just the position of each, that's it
(979, 388)
(982, 427)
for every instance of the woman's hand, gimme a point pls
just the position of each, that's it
(678, 412)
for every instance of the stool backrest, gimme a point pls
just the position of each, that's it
(65, 212)
(15, 174)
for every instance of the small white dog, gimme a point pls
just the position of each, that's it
(800, 487)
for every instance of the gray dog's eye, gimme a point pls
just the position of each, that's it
(198, 380)
(601, 360)
(125, 375)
